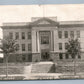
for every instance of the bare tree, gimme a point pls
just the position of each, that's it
(73, 49)
(8, 47)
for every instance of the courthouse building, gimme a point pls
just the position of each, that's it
(44, 39)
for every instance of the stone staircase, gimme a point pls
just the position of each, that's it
(43, 67)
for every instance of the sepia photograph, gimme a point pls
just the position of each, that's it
(41, 42)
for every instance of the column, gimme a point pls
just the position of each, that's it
(55, 33)
(33, 41)
(35, 46)
(38, 42)
(52, 41)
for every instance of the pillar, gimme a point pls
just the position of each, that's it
(35, 46)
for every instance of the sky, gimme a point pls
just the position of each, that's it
(24, 13)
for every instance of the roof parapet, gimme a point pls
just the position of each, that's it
(16, 24)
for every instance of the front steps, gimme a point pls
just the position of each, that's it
(43, 67)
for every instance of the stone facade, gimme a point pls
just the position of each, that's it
(41, 40)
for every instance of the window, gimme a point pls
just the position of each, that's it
(29, 47)
(60, 34)
(60, 46)
(60, 56)
(29, 35)
(45, 39)
(66, 56)
(17, 35)
(23, 47)
(23, 35)
(10, 35)
(23, 57)
(29, 57)
(73, 57)
(17, 47)
(66, 45)
(79, 57)
(66, 34)
(78, 34)
(72, 34)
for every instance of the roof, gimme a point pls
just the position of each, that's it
(16, 24)
(47, 21)
(71, 24)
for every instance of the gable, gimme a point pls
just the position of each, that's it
(43, 21)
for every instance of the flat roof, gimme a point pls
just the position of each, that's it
(61, 23)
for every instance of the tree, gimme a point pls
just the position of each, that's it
(8, 47)
(73, 49)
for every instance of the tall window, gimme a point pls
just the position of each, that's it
(60, 56)
(66, 34)
(29, 57)
(17, 35)
(23, 35)
(72, 34)
(66, 45)
(60, 46)
(66, 56)
(29, 47)
(23, 57)
(78, 34)
(23, 47)
(11, 35)
(60, 34)
(79, 57)
(45, 39)
(29, 35)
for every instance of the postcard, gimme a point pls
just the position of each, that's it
(41, 42)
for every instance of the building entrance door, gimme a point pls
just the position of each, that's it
(45, 45)
(45, 55)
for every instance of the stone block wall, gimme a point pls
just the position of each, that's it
(36, 57)
(19, 57)
(55, 57)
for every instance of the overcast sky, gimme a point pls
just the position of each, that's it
(23, 13)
